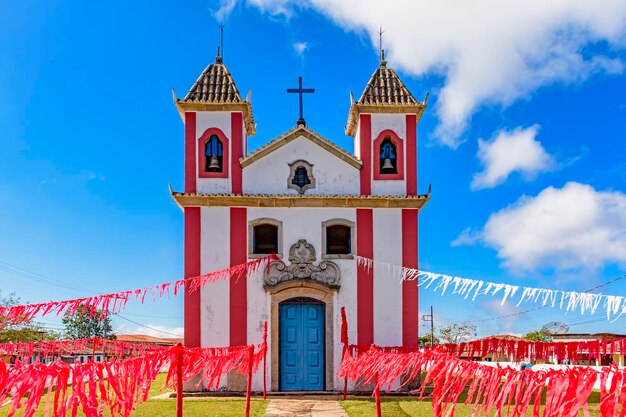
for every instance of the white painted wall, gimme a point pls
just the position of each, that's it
(215, 297)
(259, 307)
(306, 223)
(206, 120)
(269, 174)
(357, 140)
(396, 123)
(387, 287)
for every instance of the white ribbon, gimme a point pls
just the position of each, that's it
(614, 305)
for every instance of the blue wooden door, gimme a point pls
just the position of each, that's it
(301, 346)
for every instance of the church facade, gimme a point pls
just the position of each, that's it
(314, 205)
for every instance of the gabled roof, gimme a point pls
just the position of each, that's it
(295, 133)
(384, 93)
(147, 339)
(215, 90)
(386, 88)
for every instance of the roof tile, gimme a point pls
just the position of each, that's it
(386, 88)
(215, 85)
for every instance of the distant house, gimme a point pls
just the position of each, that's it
(492, 357)
(148, 340)
(586, 358)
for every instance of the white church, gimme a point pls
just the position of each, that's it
(314, 205)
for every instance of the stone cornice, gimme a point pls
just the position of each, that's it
(245, 107)
(292, 200)
(356, 109)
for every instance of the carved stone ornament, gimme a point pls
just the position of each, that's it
(302, 256)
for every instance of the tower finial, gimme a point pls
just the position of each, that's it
(220, 49)
(381, 51)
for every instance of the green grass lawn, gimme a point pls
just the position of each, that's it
(403, 407)
(197, 407)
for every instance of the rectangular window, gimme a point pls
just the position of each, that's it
(338, 240)
(265, 239)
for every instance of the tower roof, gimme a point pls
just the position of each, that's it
(214, 85)
(386, 88)
(215, 90)
(384, 93)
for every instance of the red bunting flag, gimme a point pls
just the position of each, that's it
(114, 303)
(114, 386)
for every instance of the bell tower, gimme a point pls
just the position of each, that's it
(383, 123)
(217, 124)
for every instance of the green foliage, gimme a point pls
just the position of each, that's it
(538, 336)
(457, 332)
(82, 325)
(24, 332)
(425, 339)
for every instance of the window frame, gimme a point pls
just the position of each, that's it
(339, 222)
(292, 174)
(399, 144)
(202, 141)
(261, 221)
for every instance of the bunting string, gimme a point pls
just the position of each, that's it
(518, 350)
(508, 391)
(52, 349)
(116, 302)
(468, 288)
(114, 386)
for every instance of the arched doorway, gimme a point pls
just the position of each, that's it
(302, 344)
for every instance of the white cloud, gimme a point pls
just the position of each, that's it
(569, 228)
(300, 48)
(507, 323)
(467, 237)
(226, 7)
(488, 51)
(508, 152)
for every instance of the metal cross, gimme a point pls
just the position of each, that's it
(300, 91)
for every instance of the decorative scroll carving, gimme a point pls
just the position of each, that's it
(302, 256)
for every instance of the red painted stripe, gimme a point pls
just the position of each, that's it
(365, 277)
(411, 154)
(238, 284)
(410, 295)
(192, 269)
(365, 143)
(190, 152)
(236, 126)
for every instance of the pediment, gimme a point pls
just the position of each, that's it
(301, 132)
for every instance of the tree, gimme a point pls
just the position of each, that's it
(538, 336)
(457, 332)
(425, 339)
(81, 326)
(28, 332)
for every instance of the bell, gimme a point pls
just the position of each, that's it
(387, 165)
(214, 164)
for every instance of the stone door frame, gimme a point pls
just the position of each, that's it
(302, 289)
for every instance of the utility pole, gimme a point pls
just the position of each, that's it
(431, 318)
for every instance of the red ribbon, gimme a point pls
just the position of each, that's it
(33, 351)
(117, 384)
(114, 303)
(506, 390)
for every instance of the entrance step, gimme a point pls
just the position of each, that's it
(304, 408)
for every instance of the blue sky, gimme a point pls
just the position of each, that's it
(91, 139)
